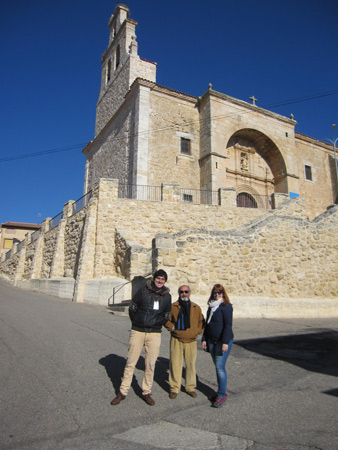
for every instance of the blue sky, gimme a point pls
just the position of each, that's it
(284, 52)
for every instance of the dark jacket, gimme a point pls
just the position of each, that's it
(220, 326)
(141, 310)
(196, 323)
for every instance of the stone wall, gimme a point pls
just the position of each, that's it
(319, 158)
(72, 245)
(49, 249)
(278, 256)
(173, 116)
(255, 253)
(111, 99)
(110, 153)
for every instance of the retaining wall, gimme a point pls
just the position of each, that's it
(255, 253)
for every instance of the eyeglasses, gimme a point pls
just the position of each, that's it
(218, 292)
(184, 292)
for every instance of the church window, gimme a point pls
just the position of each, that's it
(117, 57)
(185, 146)
(108, 71)
(308, 173)
(187, 198)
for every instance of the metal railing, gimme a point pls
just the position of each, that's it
(198, 197)
(245, 200)
(20, 245)
(82, 202)
(35, 235)
(55, 221)
(139, 192)
(117, 288)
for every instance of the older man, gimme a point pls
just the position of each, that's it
(185, 324)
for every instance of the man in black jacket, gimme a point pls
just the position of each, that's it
(149, 310)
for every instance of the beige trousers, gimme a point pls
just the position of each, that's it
(178, 350)
(151, 343)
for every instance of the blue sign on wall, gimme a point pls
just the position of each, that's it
(293, 195)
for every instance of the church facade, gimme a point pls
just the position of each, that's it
(211, 189)
(147, 134)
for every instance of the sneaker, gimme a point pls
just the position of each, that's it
(214, 397)
(219, 402)
(149, 401)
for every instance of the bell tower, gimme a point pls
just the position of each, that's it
(121, 65)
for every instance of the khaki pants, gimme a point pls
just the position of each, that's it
(178, 350)
(151, 343)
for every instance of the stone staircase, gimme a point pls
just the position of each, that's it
(121, 308)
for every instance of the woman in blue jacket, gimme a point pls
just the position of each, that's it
(218, 338)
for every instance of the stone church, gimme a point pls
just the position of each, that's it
(148, 134)
(212, 189)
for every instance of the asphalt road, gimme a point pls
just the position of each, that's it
(61, 364)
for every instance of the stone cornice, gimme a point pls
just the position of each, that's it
(212, 154)
(246, 105)
(310, 140)
(249, 175)
(162, 89)
(87, 148)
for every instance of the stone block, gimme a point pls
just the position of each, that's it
(107, 291)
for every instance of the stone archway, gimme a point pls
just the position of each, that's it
(255, 160)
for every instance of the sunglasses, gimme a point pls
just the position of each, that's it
(184, 292)
(218, 292)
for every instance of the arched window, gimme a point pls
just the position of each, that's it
(245, 200)
(108, 71)
(117, 57)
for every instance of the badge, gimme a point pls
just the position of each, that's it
(156, 305)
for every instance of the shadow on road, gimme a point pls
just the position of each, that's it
(115, 364)
(316, 352)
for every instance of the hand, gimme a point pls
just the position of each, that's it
(225, 348)
(204, 345)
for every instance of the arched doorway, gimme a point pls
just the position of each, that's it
(255, 163)
(246, 200)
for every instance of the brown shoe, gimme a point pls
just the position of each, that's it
(149, 401)
(118, 399)
(173, 395)
(192, 394)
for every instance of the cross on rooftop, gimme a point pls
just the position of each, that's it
(254, 100)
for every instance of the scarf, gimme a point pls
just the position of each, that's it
(183, 318)
(213, 305)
